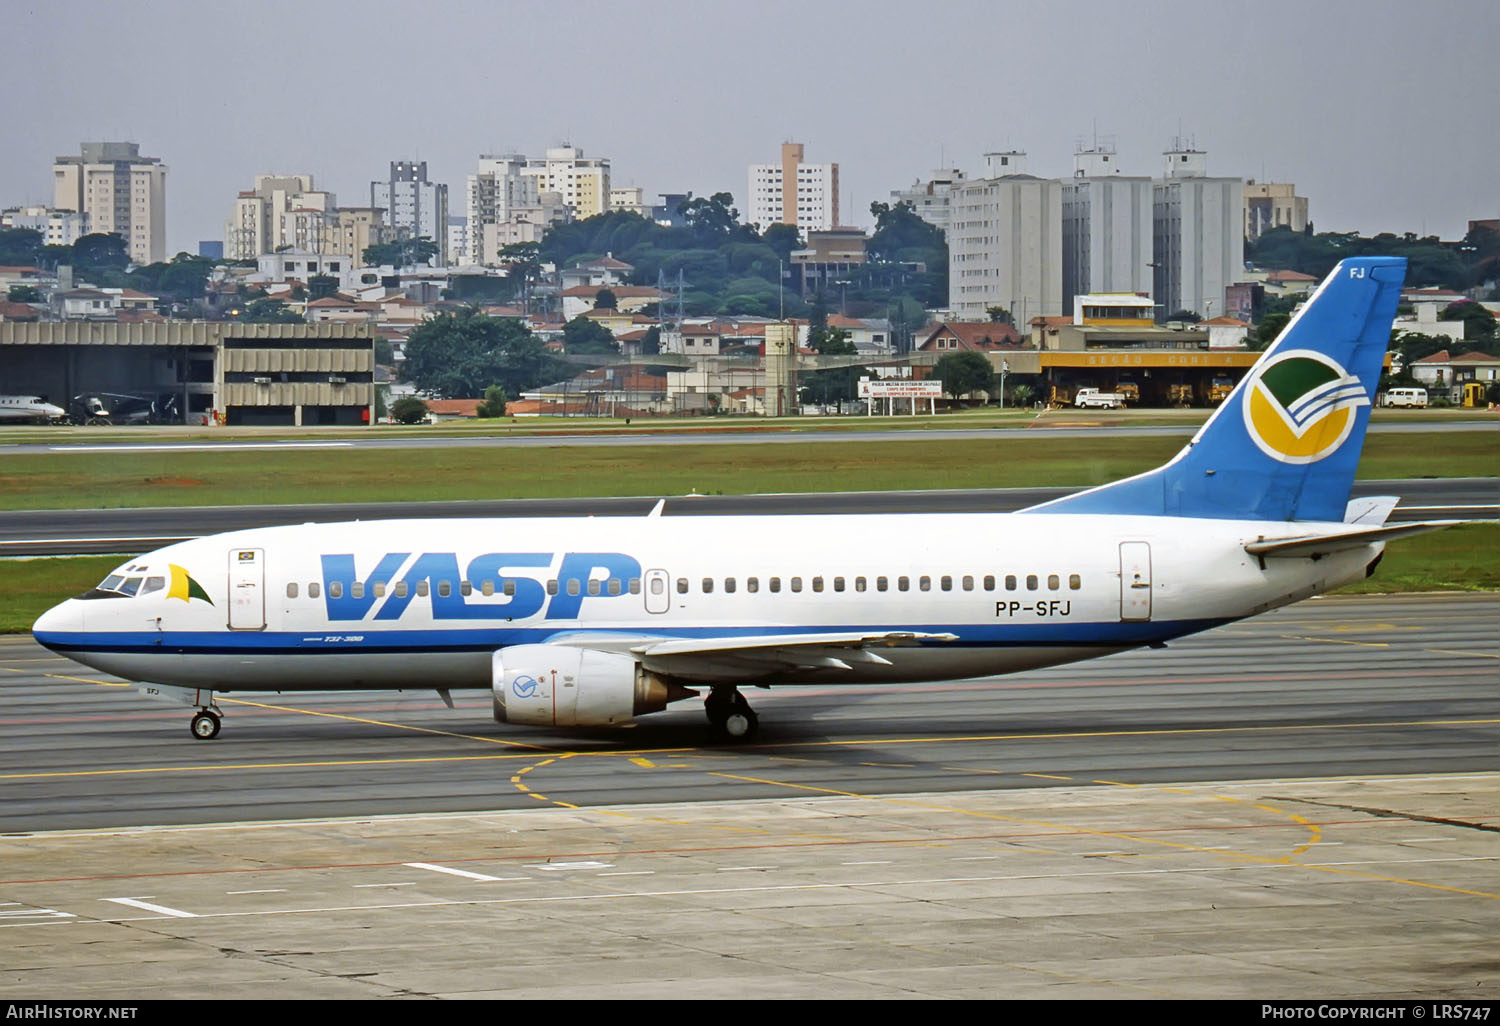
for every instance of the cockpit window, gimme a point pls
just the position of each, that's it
(153, 584)
(131, 586)
(111, 583)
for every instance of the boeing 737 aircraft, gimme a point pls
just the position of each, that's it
(596, 621)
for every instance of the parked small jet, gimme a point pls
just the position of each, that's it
(31, 408)
(596, 621)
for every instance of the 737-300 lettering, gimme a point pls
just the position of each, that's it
(1047, 607)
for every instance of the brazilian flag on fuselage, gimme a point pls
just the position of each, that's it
(184, 587)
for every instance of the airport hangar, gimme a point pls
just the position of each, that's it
(247, 374)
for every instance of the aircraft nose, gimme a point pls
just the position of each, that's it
(56, 623)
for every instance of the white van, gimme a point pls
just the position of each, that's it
(1408, 397)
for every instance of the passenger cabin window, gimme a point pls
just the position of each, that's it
(729, 585)
(423, 588)
(838, 584)
(708, 585)
(291, 589)
(378, 588)
(796, 584)
(903, 584)
(1010, 582)
(1053, 583)
(1031, 582)
(314, 588)
(657, 585)
(989, 582)
(859, 584)
(335, 589)
(882, 584)
(946, 583)
(593, 587)
(465, 588)
(486, 587)
(508, 587)
(776, 584)
(552, 587)
(573, 588)
(817, 584)
(682, 586)
(635, 586)
(613, 586)
(752, 584)
(401, 589)
(357, 589)
(1075, 582)
(445, 588)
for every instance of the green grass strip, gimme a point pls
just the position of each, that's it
(57, 480)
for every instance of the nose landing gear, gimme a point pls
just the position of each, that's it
(205, 725)
(730, 718)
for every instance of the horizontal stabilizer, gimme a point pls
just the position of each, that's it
(1322, 544)
(1370, 510)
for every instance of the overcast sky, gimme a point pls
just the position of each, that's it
(1381, 112)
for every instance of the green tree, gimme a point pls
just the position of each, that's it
(1000, 315)
(494, 403)
(20, 247)
(605, 300)
(585, 337)
(1270, 326)
(100, 252)
(524, 263)
(409, 410)
(456, 356)
(401, 253)
(320, 286)
(1186, 316)
(963, 373)
(267, 311)
(782, 239)
(24, 294)
(1479, 323)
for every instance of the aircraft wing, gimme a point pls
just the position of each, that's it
(1316, 545)
(750, 656)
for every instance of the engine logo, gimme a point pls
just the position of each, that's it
(1301, 405)
(523, 686)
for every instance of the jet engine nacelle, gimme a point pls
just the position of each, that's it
(563, 686)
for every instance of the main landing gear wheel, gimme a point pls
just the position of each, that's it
(205, 726)
(730, 717)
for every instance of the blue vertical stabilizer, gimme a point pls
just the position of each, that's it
(1285, 444)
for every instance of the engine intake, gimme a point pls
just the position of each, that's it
(563, 686)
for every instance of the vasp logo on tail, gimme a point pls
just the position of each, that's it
(1300, 406)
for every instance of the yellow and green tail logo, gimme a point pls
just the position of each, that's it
(1301, 405)
(184, 587)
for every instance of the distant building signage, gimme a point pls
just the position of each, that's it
(900, 389)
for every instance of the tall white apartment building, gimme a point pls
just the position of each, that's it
(506, 206)
(1199, 242)
(1005, 242)
(1107, 227)
(930, 199)
(582, 182)
(793, 192)
(256, 225)
(120, 192)
(414, 207)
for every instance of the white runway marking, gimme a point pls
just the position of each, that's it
(147, 906)
(453, 872)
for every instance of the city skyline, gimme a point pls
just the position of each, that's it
(1361, 105)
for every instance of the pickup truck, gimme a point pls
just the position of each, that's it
(1088, 397)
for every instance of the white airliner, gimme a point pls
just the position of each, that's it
(31, 408)
(596, 621)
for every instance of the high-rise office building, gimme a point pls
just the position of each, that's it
(120, 192)
(414, 207)
(793, 192)
(1199, 239)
